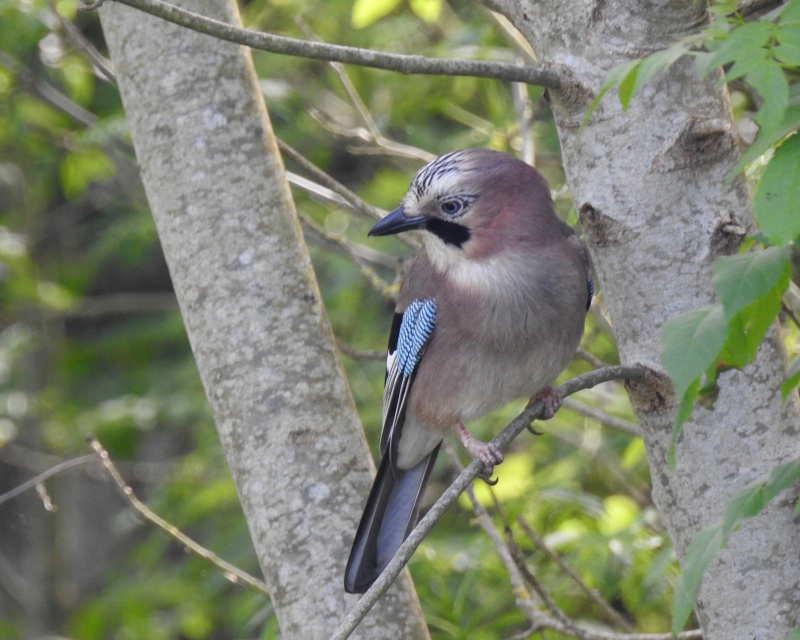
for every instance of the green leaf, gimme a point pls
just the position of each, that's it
(791, 12)
(781, 477)
(741, 280)
(366, 12)
(682, 415)
(793, 635)
(746, 503)
(616, 75)
(747, 328)
(82, 167)
(743, 42)
(690, 343)
(778, 194)
(792, 378)
(699, 555)
(788, 54)
(752, 499)
(428, 10)
(648, 67)
(789, 34)
(745, 65)
(769, 80)
(765, 139)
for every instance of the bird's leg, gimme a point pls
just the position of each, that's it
(488, 453)
(551, 399)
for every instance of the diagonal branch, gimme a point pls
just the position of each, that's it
(410, 64)
(501, 441)
(540, 544)
(232, 573)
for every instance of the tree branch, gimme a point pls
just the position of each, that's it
(67, 464)
(501, 441)
(402, 63)
(540, 544)
(232, 573)
(602, 417)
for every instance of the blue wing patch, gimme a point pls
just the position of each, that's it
(418, 322)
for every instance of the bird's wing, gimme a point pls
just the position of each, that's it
(411, 330)
(394, 500)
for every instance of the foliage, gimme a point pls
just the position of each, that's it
(77, 355)
(699, 344)
(75, 234)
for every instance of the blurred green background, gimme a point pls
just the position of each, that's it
(91, 341)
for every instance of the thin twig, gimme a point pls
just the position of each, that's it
(602, 417)
(360, 354)
(540, 544)
(102, 64)
(522, 596)
(232, 573)
(343, 244)
(374, 134)
(402, 63)
(524, 111)
(511, 555)
(334, 185)
(46, 92)
(516, 556)
(317, 191)
(593, 360)
(501, 441)
(30, 484)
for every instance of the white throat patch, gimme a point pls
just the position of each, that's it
(485, 275)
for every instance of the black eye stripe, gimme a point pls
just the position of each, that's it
(449, 232)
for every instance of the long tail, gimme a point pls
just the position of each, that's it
(390, 515)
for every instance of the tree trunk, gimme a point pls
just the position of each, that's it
(258, 330)
(656, 213)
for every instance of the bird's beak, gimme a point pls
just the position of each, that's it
(397, 222)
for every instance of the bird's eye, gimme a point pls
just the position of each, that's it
(452, 207)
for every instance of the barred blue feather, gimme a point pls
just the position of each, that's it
(418, 322)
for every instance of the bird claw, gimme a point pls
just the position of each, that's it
(486, 452)
(551, 399)
(534, 431)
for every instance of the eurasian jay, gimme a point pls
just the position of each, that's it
(491, 309)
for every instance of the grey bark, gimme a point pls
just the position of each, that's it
(649, 185)
(258, 330)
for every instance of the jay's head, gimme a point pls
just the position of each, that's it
(473, 202)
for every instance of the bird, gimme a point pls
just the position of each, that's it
(491, 309)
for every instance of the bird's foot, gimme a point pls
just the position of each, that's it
(486, 452)
(551, 399)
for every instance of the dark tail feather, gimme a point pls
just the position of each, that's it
(390, 515)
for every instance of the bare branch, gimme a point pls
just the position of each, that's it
(516, 556)
(46, 92)
(120, 304)
(593, 360)
(67, 464)
(232, 573)
(334, 185)
(360, 354)
(540, 544)
(101, 63)
(602, 417)
(501, 441)
(373, 132)
(402, 63)
(340, 242)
